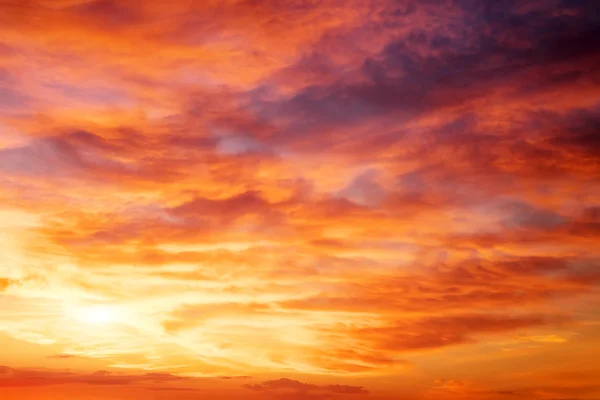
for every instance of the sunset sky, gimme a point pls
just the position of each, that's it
(300, 199)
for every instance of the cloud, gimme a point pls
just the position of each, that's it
(5, 283)
(441, 332)
(242, 377)
(6, 372)
(30, 377)
(62, 356)
(298, 387)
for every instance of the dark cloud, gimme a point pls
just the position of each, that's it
(523, 215)
(364, 189)
(12, 101)
(53, 156)
(441, 332)
(109, 13)
(426, 72)
(577, 131)
(245, 203)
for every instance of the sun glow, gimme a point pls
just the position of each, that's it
(97, 315)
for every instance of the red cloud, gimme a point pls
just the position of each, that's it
(300, 387)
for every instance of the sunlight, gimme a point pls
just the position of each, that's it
(97, 315)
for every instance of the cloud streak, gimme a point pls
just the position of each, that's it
(364, 189)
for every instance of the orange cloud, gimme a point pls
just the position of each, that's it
(300, 387)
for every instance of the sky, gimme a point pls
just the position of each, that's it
(299, 199)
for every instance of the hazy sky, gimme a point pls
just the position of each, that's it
(299, 199)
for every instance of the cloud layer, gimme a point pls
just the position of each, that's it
(366, 188)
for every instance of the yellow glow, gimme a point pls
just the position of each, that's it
(97, 315)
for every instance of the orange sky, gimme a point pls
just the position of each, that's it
(268, 199)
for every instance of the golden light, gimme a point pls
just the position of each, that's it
(97, 315)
